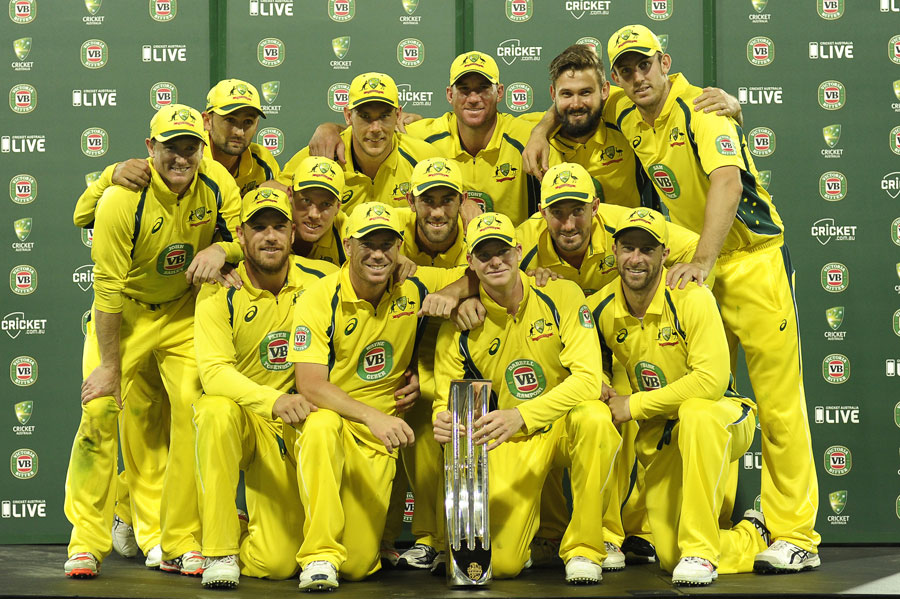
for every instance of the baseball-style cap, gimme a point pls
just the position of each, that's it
(372, 216)
(474, 62)
(490, 225)
(318, 171)
(176, 120)
(370, 87)
(230, 94)
(647, 219)
(264, 197)
(432, 172)
(632, 38)
(566, 181)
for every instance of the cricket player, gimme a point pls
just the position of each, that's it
(693, 424)
(700, 164)
(540, 350)
(142, 317)
(350, 358)
(316, 188)
(249, 404)
(381, 158)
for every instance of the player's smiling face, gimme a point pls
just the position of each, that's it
(569, 224)
(373, 128)
(266, 241)
(437, 215)
(639, 259)
(578, 98)
(474, 100)
(372, 258)
(496, 263)
(176, 160)
(314, 212)
(232, 133)
(644, 79)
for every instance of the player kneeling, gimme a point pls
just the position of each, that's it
(540, 350)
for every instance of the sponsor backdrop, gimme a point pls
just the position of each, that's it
(85, 77)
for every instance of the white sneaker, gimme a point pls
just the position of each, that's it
(82, 565)
(221, 572)
(389, 555)
(783, 557)
(694, 571)
(154, 557)
(544, 553)
(123, 540)
(417, 557)
(581, 570)
(318, 576)
(615, 559)
(189, 564)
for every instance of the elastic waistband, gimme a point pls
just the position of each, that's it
(775, 242)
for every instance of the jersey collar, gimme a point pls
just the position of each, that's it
(565, 145)
(492, 146)
(162, 192)
(656, 304)
(348, 293)
(389, 164)
(293, 282)
(497, 311)
(550, 257)
(678, 86)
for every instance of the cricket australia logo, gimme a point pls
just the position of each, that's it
(540, 329)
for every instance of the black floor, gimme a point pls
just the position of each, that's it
(37, 571)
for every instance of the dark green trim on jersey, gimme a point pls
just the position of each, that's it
(745, 411)
(533, 187)
(221, 225)
(789, 272)
(268, 171)
(471, 371)
(311, 271)
(675, 315)
(666, 437)
(753, 208)
(423, 321)
(527, 258)
(138, 214)
(689, 133)
(514, 143)
(330, 331)
(412, 161)
(437, 136)
(623, 114)
(229, 299)
(605, 350)
(340, 245)
(546, 299)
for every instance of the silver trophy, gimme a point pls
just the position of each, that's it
(466, 488)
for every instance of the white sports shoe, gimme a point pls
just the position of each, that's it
(783, 557)
(318, 576)
(544, 553)
(419, 557)
(581, 570)
(221, 572)
(389, 555)
(154, 557)
(123, 540)
(694, 571)
(82, 565)
(615, 559)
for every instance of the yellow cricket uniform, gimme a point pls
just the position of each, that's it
(256, 166)
(392, 180)
(754, 289)
(367, 349)
(423, 462)
(330, 247)
(241, 342)
(495, 177)
(693, 423)
(143, 243)
(544, 362)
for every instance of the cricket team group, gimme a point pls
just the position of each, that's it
(599, 263)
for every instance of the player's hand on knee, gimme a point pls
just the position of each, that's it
(542, 275)
(443, 427)
(406, 395)
(497, 426)
(326, 141)
(133, 174)
(104, 381)
(620, 407)
(292, 408)
(469, 314)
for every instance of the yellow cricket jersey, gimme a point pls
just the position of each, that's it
(256, 166)
(543, 361)
(330, 247)
(677, 351)
(145, 240)
(241, 337)
(392, 180)
(495, 177)
(455, 256)
(679, 152)
(366, 348)
(599, 265)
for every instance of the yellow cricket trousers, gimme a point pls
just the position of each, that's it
(585, 441)
(755, 294)
(344, 486)
(164, 335)
(230, 439)
(686, 464)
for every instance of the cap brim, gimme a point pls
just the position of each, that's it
(510, 241)
(362, 101)
(642, 50)
(418, 189)
(255, 210)
(650, 232)
(375, 227)
(229, 108)
(300, 185)
(167, 135)
(578, 196)
(491, 80)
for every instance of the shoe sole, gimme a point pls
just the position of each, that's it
(692, 583)
(763, 567)
(82, 573)
(194, 573)
(319, 585)
(583, 580)
(405, 565)
(220, 584)
(617, 568)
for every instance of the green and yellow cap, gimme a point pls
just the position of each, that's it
(646, 219)
(474, 62)
(265, 197)
(566, 181)
(372, 216)
(490, 225)
(318, 171)
(433, 172)
(176, 120)
(230, 94)
(632, 38)
(373, 87)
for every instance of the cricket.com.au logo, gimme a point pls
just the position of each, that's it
(761, 141)
(890, 183)
(23, 189)
(835, 277)
(838, 460)
(519, 11)
(272, 139)
(832, 95)
(825, 229)
(519, 97)
(339, 96)
(163, 11)
(15, 323)
(659, 10)
(579, 8)
(836, 369)
(833, 186)
(341, 10)
(270, 52)
(22, 12)
(94, 54)
(410, 52)
(759, 14)
(341, 47)
(22, 48)
(22, 98)
(830, 10)
(512, 49)
(271, 8)
(834, 316)
(163, 93)
(760, 51)
(94, 142)
(410, 97)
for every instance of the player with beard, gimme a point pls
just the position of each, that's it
(244, 419)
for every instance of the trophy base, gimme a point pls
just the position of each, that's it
(469, 567)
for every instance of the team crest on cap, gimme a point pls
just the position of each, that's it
(562, 179)
(240, 91)
(323, 168)
(436, 166)
(182, 116)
